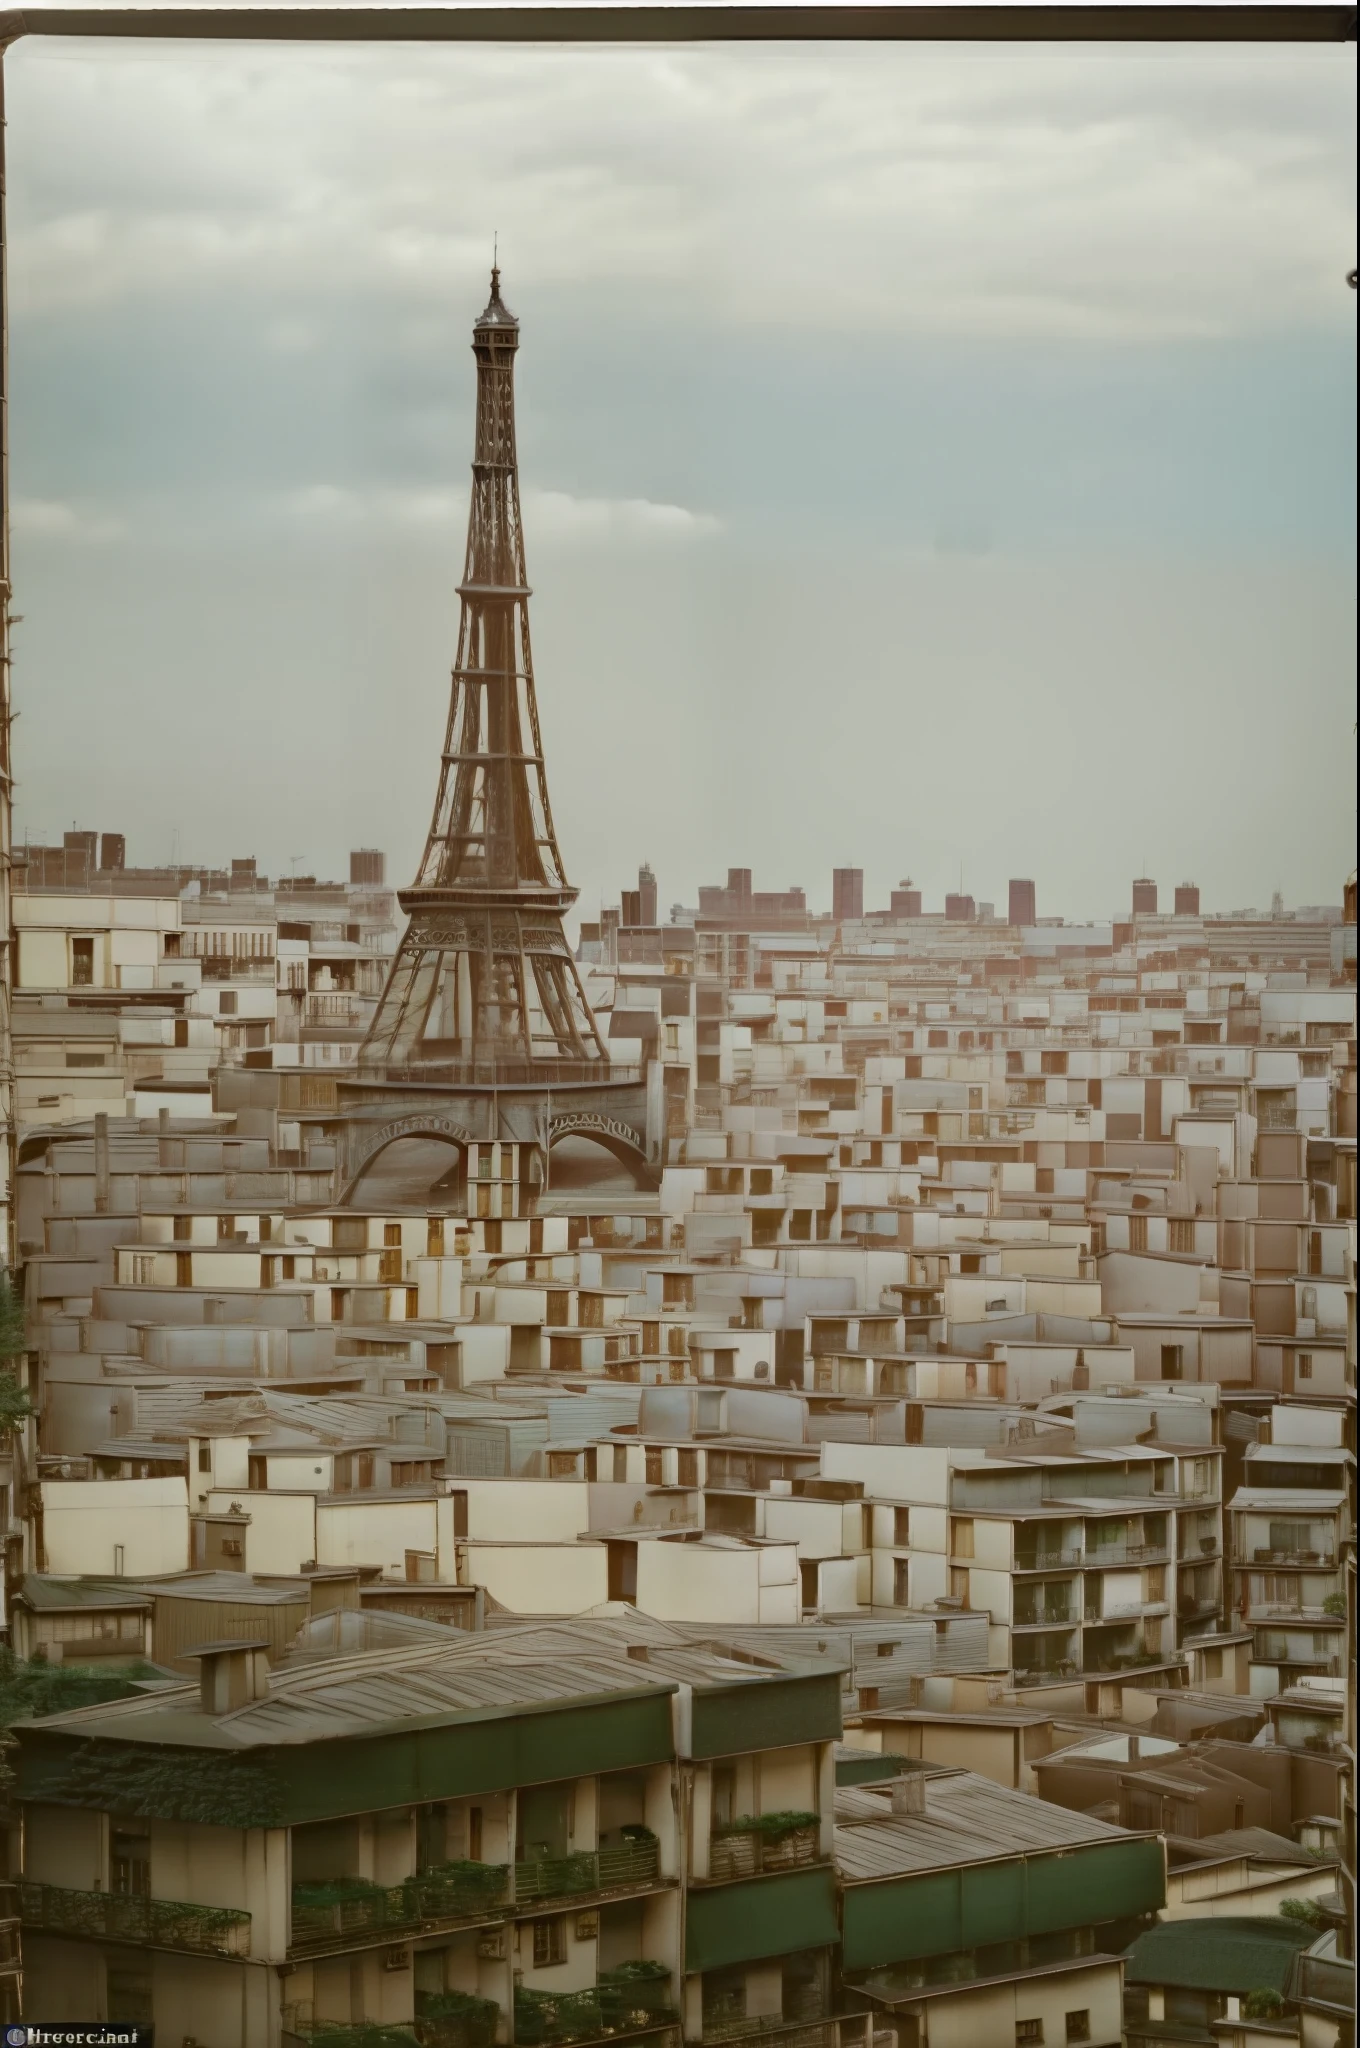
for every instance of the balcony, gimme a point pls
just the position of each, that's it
(852, 2030)
(622, 1867)
(346, 1912)
(1048, 1561)
(152, 1923)
(449, 2019)
(300, 2030)
(755, 1845)
(632, 2000)
(1311, 1560)
(1125, 1554)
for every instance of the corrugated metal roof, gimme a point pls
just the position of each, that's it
(47, 1594)
(1259, 1499)
(532, 1665)
(968, 1819)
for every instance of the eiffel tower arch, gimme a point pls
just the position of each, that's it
(484, 1033)
(620, 1111)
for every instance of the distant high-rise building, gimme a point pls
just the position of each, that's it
(243, 873)
(1022, 910)
(368, 867)
(1187, 899)
(904, 900)
(1144, 897)
(112, 853)
(630, 908)
(847, 893)
(647, 894)
(959, 909)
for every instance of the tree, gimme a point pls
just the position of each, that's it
(14, 1402)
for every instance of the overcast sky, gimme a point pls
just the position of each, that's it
(938, 460)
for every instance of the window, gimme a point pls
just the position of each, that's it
(204, 1458)
(82, 963)
(1028, 2030)
(550, 1942)
(1079, 2025)
(130, 1863)
(1173, 1357)
(1213, 1663)
(1304, 1365)
(127, 1981)
(901, 1527)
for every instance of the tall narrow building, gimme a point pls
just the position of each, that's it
(484, 981)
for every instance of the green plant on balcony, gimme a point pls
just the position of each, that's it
(320, 1892)
(771, 1827)
(457, 1888)
(358, 2034)
(1263, 2005)
(635, 1995)
(133, 1917)
(1335, 1605)
(545, 2018)
(548, 1877)
(455, 2019)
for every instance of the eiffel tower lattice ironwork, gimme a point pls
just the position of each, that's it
(483, 1036)
(484, 983)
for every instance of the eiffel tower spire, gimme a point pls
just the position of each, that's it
(484, 977)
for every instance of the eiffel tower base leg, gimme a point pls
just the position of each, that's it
(625, 1116)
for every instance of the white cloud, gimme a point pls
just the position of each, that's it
(1084, 194)
(58, 519)
(552, 515)
(559, 514)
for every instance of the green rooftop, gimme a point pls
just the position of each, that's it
(1228, 1955)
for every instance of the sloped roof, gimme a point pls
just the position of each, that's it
(968, 1819)
(1227, 1955)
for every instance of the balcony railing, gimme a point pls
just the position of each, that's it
(115, 1916)
(1066, 1619)
(1126, 1553)
(851, 2031)
(1048, 1561)
(299, 2027)
(1314, 1560)
(750, 1849)
(339, 1912)
(593, 1870)
(615, 2006)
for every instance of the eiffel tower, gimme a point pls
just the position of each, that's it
(483, 1033)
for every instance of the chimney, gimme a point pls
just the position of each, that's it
(101, 1161)
(231, 1674)
(909, 1794)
